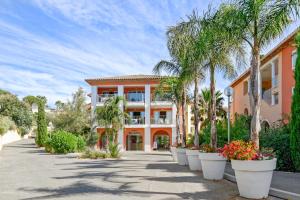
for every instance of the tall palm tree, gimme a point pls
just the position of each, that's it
(171, 88)
(174, 68)
(257, 23)
(111, 117)
(214, 49)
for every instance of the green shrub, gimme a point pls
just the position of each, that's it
(47, 145)
(278, 139)
(114, 150)
(80, 144)
(6, 124)
(63, 142)
(94, 155)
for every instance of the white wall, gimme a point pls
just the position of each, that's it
(8, 137)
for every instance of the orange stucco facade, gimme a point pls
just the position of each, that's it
(277, 76)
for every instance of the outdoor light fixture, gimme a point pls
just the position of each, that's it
(228, 92)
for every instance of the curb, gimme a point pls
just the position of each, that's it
(273, 191)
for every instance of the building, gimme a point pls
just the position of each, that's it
(152, 117)
(277, 83)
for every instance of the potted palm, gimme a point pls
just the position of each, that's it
(212, 162)
(253, 169)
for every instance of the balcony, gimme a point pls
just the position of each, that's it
(135, 121)
(161, 121)
(158, 101)
(102, 98)
(135, 99)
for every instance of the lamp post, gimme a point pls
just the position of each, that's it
(228, 92)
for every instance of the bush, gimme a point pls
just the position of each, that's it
(63, 142)
(279, 140)
(94, 154)
(80, 144)
(114, 150)
(6, 124)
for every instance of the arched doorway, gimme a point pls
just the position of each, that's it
(265, 126)
(134, 142)
(246, 112)
(161, 140)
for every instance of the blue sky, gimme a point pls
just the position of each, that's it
(49, 47)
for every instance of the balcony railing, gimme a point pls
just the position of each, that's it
(104, 97)
(135, 121)
(160, 98)
(135, 97)
(161, 121)
(266, 96)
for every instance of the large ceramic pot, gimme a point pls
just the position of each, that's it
(213, 165)
(181, 156)
(193, 159)
(254, 177)
(174, 155)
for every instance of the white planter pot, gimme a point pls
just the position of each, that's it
(174, 155)
(254, 177)
(213, 165)
(181, 156)
(193, 160)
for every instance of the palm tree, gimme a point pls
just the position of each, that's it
(257, 23)
(171, 88)
(174, 68)
(214, 49)
(204, 105)
(111, 117)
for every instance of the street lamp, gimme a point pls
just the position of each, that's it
(228, 92)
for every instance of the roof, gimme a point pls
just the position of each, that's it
(137, 77)
(268, 56)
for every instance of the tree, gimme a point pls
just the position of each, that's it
(41, 122)
(257, 23)
(171, 88)
(295, 118)
(73, 116)
(204, 105)
(111, 117)
(174, 68)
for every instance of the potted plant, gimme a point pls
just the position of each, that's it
(253, 169)
(194, 162)
(212, 162)
(181, 155)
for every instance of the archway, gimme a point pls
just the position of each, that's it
(246, 112)
(134, 141)
(265, 126)
(161, 140)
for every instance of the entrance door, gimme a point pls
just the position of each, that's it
(134, 142)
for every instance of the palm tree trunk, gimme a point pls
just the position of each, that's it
(196, 112)
(213, 129)
(177, 125)
(255, 94)
(183, 106)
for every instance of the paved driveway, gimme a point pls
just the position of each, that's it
(29, 173)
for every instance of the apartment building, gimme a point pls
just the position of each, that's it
(151, 116)
(277, 83)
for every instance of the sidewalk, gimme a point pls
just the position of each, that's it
(284, 184)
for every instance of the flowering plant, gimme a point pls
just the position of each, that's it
(241, 150)
(206, 148)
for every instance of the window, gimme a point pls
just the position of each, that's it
(294, 58)
(275, 99)
(246, 87)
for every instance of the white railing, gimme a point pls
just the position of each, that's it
(266, 96)
(135, 121)
(160, 98)
(161, 121)
(104, 97)
(135, 97)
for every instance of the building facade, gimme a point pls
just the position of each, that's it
(152, 117)
(277, 83)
